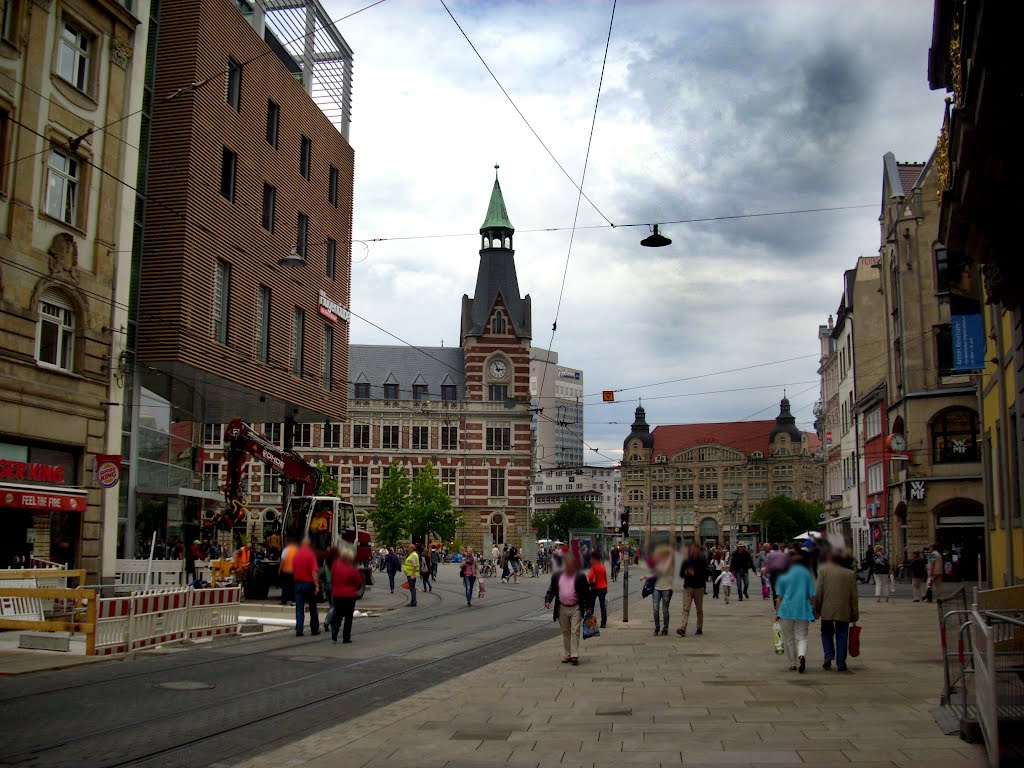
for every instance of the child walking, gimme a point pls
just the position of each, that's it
(725, 581)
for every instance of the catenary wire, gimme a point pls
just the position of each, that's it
(579, 197)
(520, 113)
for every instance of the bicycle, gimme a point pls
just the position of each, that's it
(487, 569)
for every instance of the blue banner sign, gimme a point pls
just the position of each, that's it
(968, 342)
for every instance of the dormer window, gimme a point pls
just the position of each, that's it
(498, 323)
(757, 455)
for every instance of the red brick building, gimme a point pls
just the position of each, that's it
(465, 409)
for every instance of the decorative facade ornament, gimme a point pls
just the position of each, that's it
(64, 256)
(120, 52)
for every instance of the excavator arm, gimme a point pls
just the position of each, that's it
(243, 442)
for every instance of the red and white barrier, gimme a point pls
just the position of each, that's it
(159, 617)
(113, 616)
(214, 612)
(153, 617)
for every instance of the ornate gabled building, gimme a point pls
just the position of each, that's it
(702, 481)
(464, 409)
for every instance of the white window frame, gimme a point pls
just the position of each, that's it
(332, 435)
(873, 423)
(74, 56)
(211, 475)
(360, 443)
(63, 181)
(498, 485)
(64, 320)
(271, 483)
(302, 435)
(213, 434)
(876, 478)
(361, 479)
(449, 480)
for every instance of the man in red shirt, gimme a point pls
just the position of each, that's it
(307, 584)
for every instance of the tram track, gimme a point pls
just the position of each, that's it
(53, 753)
(268, 645)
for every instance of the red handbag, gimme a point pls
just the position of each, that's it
(854, 645)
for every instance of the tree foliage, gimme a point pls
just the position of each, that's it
(390, 502)
(782, 518)
(429, 509)
(328, 483)
(573, 513)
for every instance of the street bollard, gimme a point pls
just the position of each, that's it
(625, 590)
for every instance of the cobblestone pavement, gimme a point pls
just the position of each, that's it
(722, 699)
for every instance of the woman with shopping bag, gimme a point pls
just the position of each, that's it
(794, 608)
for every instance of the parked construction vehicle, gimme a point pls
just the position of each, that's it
(326, 520)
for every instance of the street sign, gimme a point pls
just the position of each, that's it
(608, 396)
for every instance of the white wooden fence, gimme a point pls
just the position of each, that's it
(130, 575)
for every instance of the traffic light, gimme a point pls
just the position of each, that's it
(624, 523)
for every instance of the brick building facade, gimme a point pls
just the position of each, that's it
(464, 409)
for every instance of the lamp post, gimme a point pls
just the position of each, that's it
(655, 240)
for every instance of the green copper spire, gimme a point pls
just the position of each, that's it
(497, 216)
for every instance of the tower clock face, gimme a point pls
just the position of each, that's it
(498, 369)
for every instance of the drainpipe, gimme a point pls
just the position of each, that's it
(987, 490)
(1004, 451)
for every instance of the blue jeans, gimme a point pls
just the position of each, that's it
(433, 569)
(834, 638)
(411, 581)
(743, 584)
(661, 598)
(600, 596)
(304, 593)
(469, 582)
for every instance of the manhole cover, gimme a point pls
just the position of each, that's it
(185, 685)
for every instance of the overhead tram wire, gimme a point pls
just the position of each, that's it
(494, 77)
(579, 197)
(692, 220)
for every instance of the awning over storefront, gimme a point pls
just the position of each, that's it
(42, 498)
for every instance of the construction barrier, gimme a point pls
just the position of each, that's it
(67, 598)
(33, 608)
(113, 617)
(133, 575)
(214, 612)
(154, 617)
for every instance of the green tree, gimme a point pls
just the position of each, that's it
(573, 513)
(391, 506)
(328, 483)
(541, 522)
(782, 518)
(429, 510)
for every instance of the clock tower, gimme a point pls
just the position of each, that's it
(496, 330)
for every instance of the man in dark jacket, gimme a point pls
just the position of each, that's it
(694, 572)
(393, 564)
(569, 591)
(741, 563)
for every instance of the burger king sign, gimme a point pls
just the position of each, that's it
(108, 470)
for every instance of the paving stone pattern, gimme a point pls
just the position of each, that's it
(722, 699)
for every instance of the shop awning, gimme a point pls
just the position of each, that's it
(42, 498)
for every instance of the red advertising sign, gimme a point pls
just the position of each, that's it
(51, 502)
(32, 472)
(108, 469)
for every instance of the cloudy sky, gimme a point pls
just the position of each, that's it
(708, 109)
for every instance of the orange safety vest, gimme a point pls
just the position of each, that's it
(288, 559)
(242, 557)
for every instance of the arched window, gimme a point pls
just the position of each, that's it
(955, 436)
(498, 323)
(55, 334)
(508, 242)
(498, 528)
